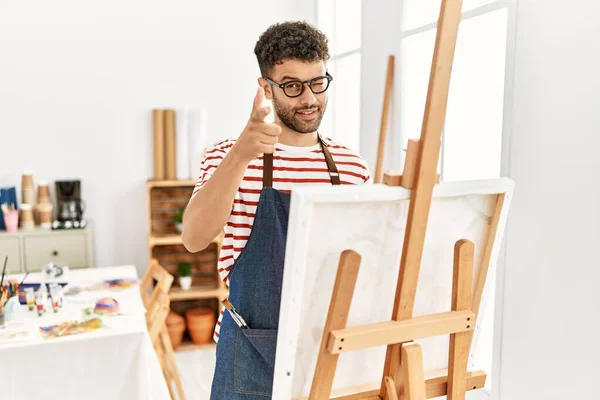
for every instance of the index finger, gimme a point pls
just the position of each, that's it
(258, 99)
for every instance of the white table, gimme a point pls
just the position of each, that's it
(116, 362)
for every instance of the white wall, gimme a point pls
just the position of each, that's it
(380, 38)
(551, 299)
(79, 80)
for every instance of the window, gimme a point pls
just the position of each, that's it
(472, 137)
(343, 29)
(471, 143)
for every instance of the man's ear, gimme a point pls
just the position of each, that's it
(262, 82)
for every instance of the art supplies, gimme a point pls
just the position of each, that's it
(106, 305)
(113, 284)
(3, 271)
(40, 302)
(30, 298)
(54, 296)
(56, 291)
(3, 291)
(12, 287)
(71, 328)
(237, 318)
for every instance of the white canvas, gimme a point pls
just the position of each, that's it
(371, 219)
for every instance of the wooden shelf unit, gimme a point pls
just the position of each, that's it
(164, 243)
(190, 346)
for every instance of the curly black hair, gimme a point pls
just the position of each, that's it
(290, 40)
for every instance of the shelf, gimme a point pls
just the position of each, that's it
(174, 239)
(170, 183)
(165, 240)
(178, 294)
(191, 346)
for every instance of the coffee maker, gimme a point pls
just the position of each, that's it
(70, 206)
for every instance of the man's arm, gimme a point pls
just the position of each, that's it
(210, 207)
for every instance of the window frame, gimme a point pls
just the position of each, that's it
(336, 58)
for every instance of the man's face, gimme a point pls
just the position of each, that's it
(304, 113)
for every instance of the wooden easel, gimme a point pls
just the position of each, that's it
(159, 333)
(403, 375)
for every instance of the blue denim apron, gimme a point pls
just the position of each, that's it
(246, 357)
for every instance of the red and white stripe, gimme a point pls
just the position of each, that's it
(291, 166)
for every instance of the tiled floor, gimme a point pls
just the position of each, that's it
(196, 372)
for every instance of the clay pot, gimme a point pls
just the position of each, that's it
(201, 324)
(176, 327)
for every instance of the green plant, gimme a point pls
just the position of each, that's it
(184, 269)
(178, 216)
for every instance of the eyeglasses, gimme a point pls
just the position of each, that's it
(296, 87)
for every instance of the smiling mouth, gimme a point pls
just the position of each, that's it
(307, 114)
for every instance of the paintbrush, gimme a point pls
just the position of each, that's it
(237, 318)
(3, 298)
(3, 271)
(21, 284)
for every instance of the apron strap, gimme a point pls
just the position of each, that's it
(267, 170)
(333, 171)
(268, 166)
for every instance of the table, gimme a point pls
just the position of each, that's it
(116, 362)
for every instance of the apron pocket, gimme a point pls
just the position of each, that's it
(254, 361)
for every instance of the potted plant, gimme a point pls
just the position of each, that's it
(178, 218)
(185, 275)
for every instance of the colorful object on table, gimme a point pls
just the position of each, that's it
(40, 302)
(71, 328)
(73, 290)
(12, 286)
(87, 313)
(106, 305)
(35, 286)
(57, 294)
(54, 296)
(30, 298)
(120, 283)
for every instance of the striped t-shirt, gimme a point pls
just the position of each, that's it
(291, 166)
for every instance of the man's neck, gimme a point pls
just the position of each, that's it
(292, 138)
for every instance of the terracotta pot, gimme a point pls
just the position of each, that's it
(176, 327)
(201, 324)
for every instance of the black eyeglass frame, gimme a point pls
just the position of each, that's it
(309, 83)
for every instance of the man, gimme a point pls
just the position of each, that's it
(244, 187)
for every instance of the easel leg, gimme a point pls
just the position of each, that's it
(420, 199)
(413, 377)
(461, 300)
(391, 388)
(337, 317)
(171, 365)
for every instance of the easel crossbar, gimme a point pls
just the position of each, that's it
(435, 387)
(392, 332)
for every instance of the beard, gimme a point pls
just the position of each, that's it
(287, 115)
